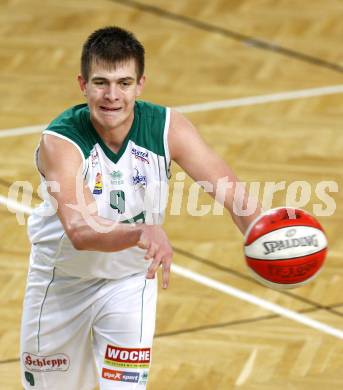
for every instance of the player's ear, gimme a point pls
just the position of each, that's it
(82, 83)
(140, 85)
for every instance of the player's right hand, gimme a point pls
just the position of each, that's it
(154, 239)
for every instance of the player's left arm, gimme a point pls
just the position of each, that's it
(201, 163)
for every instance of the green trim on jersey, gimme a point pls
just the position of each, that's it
(72, 124)
(147, 129)
(138, 218)
(152, 119)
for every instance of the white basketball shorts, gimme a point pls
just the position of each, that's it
(80, 333)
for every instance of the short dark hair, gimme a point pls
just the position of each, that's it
(111, 45)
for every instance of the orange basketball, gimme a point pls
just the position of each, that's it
(285, 248)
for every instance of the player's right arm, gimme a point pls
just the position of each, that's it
(60, 161)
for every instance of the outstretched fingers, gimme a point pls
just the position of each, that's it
(154, 266)
(157, 249)
(166, 265)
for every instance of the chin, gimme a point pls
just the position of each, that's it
(108, 125)
(109, 122)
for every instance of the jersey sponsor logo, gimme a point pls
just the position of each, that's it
(116, 174)
(139, 180)
(140, 155)
(121, 376)
(94, 157)
(98, 184)
(116, 177)
(127, 357)
(57, 362)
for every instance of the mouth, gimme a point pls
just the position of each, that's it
(110, 109)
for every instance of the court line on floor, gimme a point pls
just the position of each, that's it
(13, 205)
(250, 298)
(215, 105)
(262, 99)
(13, 360)
(219, 286)
(249, 40)
(204, 327)
(219, 325)
(246, 276)
(21, 131)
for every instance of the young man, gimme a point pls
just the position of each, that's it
(89, 309)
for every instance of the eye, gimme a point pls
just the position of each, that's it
(99, 82)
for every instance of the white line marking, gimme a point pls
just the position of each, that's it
(216, 105)
(247, 369)
(261, 99)
(13, 206)
(244, 296)
(22, 131)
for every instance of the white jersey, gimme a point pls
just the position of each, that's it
(128, 186)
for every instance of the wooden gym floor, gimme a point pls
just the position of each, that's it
(199, 52)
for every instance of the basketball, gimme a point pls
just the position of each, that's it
(285, 248)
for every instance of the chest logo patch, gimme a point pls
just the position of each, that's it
(138, 180)
(117, 177)
(140, 155)
(98, 184)
(94, 158)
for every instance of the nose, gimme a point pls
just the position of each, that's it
(112, 93)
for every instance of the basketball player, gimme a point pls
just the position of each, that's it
(89, 309)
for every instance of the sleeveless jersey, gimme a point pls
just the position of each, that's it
(128, 186)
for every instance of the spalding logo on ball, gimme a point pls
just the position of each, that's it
(285, 248)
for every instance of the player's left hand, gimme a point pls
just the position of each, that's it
(155, 241)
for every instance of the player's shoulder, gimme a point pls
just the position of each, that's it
(151, 113)
(149, 127)
(183, 136)
(74, 125)
(149, 108)
(180, 125)
(71, 117)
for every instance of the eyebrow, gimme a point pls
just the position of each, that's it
(99, 78)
